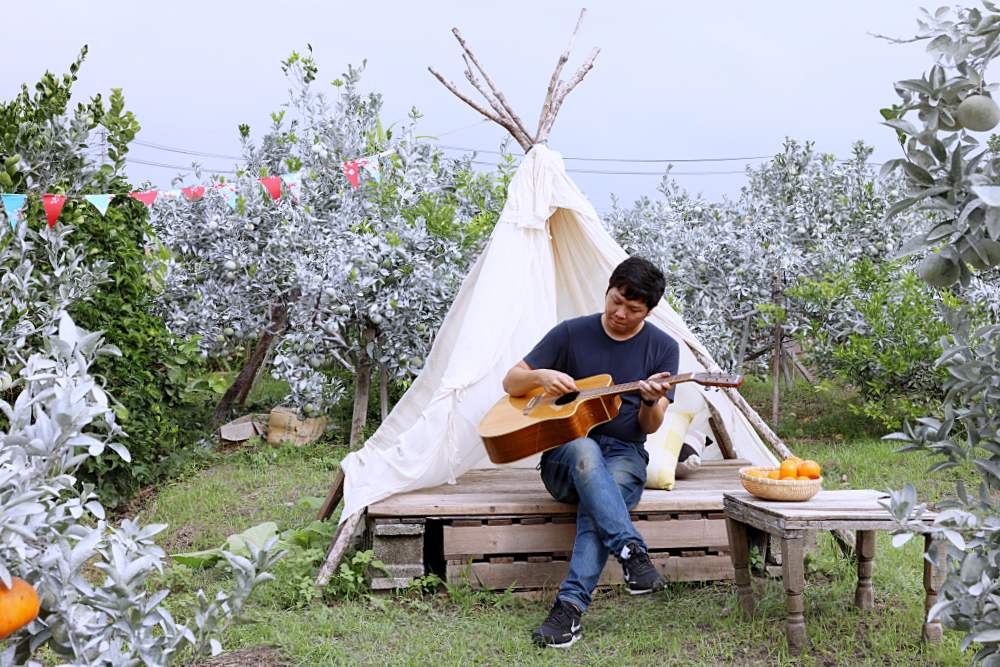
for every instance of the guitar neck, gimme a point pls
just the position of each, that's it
(631, 386)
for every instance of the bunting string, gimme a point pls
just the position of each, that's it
(14, 203)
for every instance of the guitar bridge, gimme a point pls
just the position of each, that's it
(535, 400)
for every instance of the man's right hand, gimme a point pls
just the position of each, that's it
(555, 383)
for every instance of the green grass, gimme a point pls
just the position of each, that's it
(688, 624)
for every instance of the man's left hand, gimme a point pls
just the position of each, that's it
(654, 388)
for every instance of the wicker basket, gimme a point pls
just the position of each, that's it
(779, 489)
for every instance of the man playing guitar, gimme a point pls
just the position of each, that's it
(605, 471)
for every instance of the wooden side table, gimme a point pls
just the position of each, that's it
(856, 510)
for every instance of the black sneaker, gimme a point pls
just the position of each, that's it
(562, 627)
(641, 576)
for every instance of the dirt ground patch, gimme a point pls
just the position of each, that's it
(255, 656)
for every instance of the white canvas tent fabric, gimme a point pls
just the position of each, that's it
(549, 259)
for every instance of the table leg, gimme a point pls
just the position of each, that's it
(794, 578)
(739, 550)
(864, 596)
(933, 579)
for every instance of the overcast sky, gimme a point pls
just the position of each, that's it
(673, 79)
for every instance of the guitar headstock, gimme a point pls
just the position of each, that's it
(718, 379)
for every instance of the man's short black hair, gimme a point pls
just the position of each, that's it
(639, 279)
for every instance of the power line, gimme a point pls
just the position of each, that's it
(616, 159)
(185, 151)
(747, 158)
(633, 173)
(150, 163)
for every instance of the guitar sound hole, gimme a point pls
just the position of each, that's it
(567, 398)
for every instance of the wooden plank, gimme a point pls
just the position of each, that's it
(542, 503)
(520, 539)
(499, 576)
(519, 491)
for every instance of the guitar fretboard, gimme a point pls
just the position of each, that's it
(631, 386)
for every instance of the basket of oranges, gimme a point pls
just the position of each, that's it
(794, 479)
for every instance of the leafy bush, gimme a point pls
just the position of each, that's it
(878, 327)
(91, 576)
(950, 173)
(44, 147)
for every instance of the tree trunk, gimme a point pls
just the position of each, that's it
(362, 387)
(776, 356)
(744, 340)
(241, 386)
(383, 392)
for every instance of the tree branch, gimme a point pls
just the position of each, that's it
(502, 122)
(489, 82)
(564, 89)
(501, 111)
(554, 81)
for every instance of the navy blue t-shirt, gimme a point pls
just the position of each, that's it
(580, 348)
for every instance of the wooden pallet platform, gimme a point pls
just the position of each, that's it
(499, 528)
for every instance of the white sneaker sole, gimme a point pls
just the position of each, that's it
(565, 644)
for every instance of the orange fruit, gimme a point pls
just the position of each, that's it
(803, 478)
(809, 469)
(774, 474)
(793, 458)
(788, 469)
(19, 606)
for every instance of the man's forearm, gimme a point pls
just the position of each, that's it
(651, 416)
(519, 381)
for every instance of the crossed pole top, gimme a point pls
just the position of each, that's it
(500, 110)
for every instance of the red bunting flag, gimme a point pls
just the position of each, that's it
(146, 197)
(194, 192)
(273, 186)
(53, 207)
(351, 171)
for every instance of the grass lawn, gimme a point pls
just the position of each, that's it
(688, 624)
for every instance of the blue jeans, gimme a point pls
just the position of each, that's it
(606, 477)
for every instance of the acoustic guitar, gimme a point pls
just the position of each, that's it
(518, 426)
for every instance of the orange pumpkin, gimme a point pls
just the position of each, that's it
(18, 606)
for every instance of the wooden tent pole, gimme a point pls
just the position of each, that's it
(340, 544)
(744, 407)
(722, 436)
(333, 497)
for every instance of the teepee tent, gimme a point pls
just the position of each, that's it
(548, 259)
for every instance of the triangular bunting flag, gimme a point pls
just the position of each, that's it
(53, 207)
(350, 168)
(12, 205)
(147, 197)
(371, 166)
(273, 186)
(194, 192)
(292, 182)
(100, 202)
(228, 192)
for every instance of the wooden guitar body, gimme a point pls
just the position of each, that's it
(510, 435)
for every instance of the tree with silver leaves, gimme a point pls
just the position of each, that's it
(348, 277)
